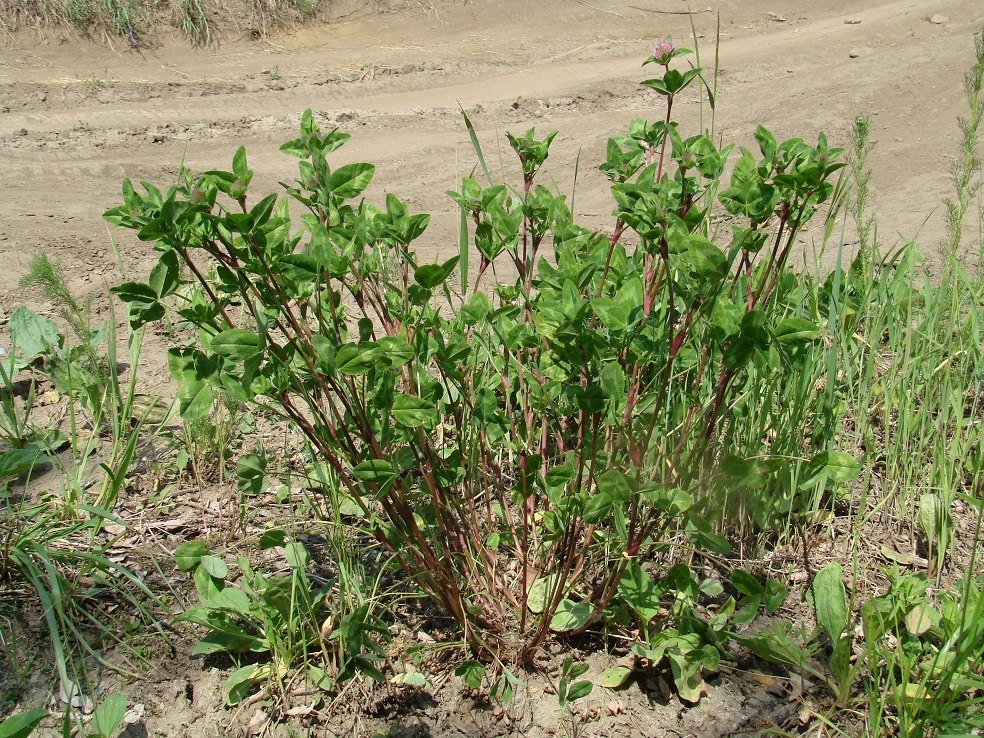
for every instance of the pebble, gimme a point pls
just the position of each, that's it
(939, 20)
(852, 21)
(134, 716)
(859, 51)
(258, 723)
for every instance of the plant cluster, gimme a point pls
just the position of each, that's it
(523, 453)
(548, 454)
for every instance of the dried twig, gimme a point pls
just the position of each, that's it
(673, 12)
(610, 12)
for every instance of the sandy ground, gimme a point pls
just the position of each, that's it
(76, 118)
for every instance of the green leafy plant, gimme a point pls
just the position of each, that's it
(22, 724)
(688, 643)
(569, 691)
(828, 597)
(567, 421)
(68, 575)
(32, 339)
(279, 616)
(84, 371)
(107, 717)
(194, 22)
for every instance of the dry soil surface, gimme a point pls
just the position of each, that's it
(76, 118)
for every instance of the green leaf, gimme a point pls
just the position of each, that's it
(699, 531)
(571, 615)
(236, 344)
(429, 276)
(830, 601)
(472, 673)
(142, 303)
(878, 615)
(746, 583)
(214, 566)
(536, 598)
(615, 677)
(349, 180)
(239, 167)
(190, 369)
(598, 508)
(297, 556)
(17, 461)
(579, 690)
(836, 466)
(613, 315)
(272, 538)
(32, 335)
(775, 595)
(320, 678)
(165, 275)
(22, 724)
(395, 351)
(108, 716)
(615, 484)
(477, 309)
(639, 591)
(920, 619)
(711, 587)
(189, 554)
(412, 679)
(414, 412)
(775, 645)
(686, 676)
(376, 471)
(250, 471)
(238, 686)
(354, 359)
(931, 515)
(841, 467)
(795, 331)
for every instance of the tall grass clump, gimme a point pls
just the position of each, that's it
(54, 553)
(141, 23)
(905, 387)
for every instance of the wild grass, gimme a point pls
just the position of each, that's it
(142, 23)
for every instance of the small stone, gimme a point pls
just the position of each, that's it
(258, 723)
(851, 21)
(859, 51)
(776, 17)
(20, 132)
(615, 707)
(939, 20)
(134, 716)
(113, 529)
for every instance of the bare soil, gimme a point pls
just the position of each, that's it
(76, 118)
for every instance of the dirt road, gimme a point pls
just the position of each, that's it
(76, 118)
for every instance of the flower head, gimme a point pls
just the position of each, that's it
(663, 51)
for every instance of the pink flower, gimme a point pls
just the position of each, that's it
(663, 51)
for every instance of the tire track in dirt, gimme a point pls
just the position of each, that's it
(793, 75)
